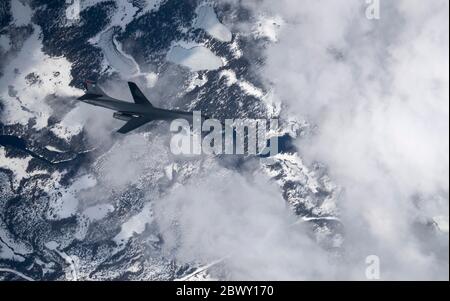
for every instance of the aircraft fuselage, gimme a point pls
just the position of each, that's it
(136, 114)
(139, 110)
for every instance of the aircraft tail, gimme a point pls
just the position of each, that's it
(93, 91)
(92, 88)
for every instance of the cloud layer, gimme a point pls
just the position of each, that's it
(222, 215)
(378, 93)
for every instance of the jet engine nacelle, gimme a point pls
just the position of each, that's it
(122, 116)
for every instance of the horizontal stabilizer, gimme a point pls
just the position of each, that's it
(133, 124)
(138, 96)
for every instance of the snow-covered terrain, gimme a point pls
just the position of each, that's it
(208, 21)
(196, 58)
(81, 202)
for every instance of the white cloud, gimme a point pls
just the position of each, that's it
(222, 214)
(378, 91)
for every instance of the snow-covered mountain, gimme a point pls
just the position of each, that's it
(80, 202)
(76, 200)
